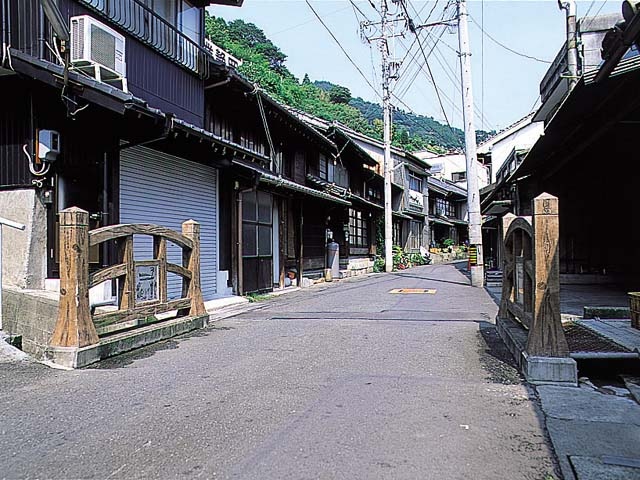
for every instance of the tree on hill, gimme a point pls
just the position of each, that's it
(265, 64)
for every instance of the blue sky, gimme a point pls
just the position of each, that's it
(506, 85)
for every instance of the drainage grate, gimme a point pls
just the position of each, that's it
(582, 339)
(428, 291)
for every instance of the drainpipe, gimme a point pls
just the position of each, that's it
(41, 40)
(572, 41)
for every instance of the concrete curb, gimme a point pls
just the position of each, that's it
(537, 370)
(9, 353)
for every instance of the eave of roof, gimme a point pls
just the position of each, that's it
(118, 101)
(279, 182)
(598, 106)
(285, 111)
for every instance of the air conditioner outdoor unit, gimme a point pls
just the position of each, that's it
(98, 50)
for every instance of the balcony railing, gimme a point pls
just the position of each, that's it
(144, 24)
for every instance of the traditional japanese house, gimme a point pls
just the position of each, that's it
(584, 159)
(447, 211)
(408, 187)
(354, 175)
(412, 232)
(273, 218)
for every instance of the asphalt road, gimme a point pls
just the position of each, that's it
(340, 381)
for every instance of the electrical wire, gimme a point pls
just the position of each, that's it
(38, 173)
(356, 7)
(435, 86)
(343, 50)
(515, 52)
(435, 4)
(307, 22)
(595, 15)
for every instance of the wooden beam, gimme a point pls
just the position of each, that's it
(191, 259)
(546, 336)
(519, 312)
(160, 254)
(74, 326)
(108, 273)
(112, 232)
(126, 291)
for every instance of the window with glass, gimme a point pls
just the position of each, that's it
(443, 207)
(397, 233)
(415, 235)
(326, 168)
(415, 183)
(257, 224)
(374, 193)
(358, 229)
(459, 176)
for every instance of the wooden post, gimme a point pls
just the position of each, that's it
(74, 327)
(127, 287)
(508, 267)
(546, 336)
(160, 254)
(191, 260)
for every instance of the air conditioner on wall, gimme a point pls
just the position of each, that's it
(98, 50)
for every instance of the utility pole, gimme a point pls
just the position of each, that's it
(389, 73)
(476, 261)
(386, 118)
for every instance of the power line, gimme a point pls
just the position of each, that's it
(531, 57)
(595, 15)
(426, 63)
(590, 7)
(356, 7)
(435, 86)
(435, 133)
(343, 50)
(307, 22)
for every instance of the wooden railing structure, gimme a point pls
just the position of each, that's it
(531, 277)
(137, 299)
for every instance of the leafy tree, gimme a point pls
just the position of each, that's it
(265, 64)
(339, 94)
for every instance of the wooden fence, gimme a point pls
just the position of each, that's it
(531, 277)
(137, 300)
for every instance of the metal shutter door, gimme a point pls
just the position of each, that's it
(166, 190)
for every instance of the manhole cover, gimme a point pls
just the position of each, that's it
(414, 290)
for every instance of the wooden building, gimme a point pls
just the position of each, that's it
(586, 159)
(156, 126)
(447, 212)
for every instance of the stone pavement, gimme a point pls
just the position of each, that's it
(595, 431)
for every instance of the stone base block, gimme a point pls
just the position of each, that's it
(72, 357)
(537, 370)
(550, 370)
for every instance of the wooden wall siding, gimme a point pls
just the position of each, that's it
(15, 131)
(152, 77)
(23, 24)
(163, 84)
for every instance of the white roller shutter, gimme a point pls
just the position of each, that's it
(166, 190)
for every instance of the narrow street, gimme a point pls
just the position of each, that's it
(342, 380)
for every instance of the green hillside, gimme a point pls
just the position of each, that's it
(265, 64)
